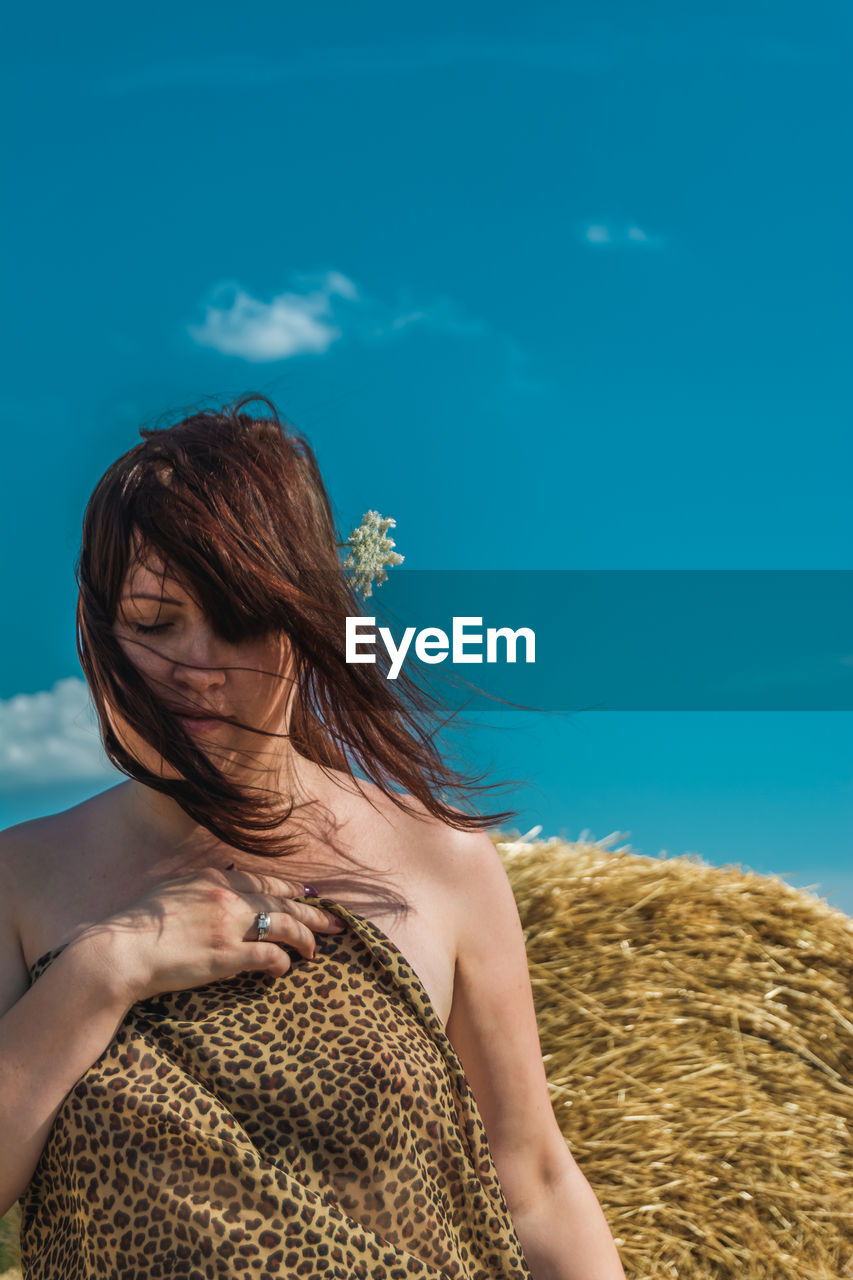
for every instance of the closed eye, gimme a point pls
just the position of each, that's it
(160, 626)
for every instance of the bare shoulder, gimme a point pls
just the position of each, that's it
(429, 836)
(36, 857)
(440, 857)
(21, 847)
(469, 866)
(456, 852)
(14, 844)
(28, 848)
(22, 850)
(454, 863)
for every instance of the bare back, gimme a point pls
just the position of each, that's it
(74, 868)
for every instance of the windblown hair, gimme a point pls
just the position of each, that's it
(235, 508)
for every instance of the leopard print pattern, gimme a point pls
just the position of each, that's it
(314, 1124)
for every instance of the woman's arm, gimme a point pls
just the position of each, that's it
(49, 1037)
(564, 1235)
(50, 1033)
(493, 1028)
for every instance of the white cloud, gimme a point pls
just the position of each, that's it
(51, 736)
(323, 308)
(329, 307)
(620, 235)
(291, 324)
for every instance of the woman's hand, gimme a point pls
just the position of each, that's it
(202, 927)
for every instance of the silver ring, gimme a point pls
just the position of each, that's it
(263, 922)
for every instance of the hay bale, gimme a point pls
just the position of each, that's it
(697, 1030)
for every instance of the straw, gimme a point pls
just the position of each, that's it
(696, 1025)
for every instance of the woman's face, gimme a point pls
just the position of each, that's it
(165, 633)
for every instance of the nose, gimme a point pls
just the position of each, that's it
(196, 670)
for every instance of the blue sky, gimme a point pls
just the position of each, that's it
(557, 286)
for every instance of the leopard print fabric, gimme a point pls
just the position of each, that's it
(318, 1124)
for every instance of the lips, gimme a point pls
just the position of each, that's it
(196, 724)
(191, 713)
(192, 721)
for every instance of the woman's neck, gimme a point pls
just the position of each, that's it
(158, 821)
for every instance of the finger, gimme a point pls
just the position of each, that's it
(270, 958)
(260, 882)
(313, 917)
(286, 930)
(271, 884)
(327, 920)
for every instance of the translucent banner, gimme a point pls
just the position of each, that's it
(616, 640)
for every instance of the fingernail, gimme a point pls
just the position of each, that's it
(309, 891)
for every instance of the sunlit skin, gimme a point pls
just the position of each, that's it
(188, 665)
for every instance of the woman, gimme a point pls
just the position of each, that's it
(222, 1051)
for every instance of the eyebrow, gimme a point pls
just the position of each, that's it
(140, 595)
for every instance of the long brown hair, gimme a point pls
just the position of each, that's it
(236, 508)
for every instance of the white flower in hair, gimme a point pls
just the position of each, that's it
(371, 551)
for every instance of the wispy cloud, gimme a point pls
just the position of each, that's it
(331, 306)
(592, 48)
(323, 308)
(50, 736)
(441, 316)
(616, 235)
